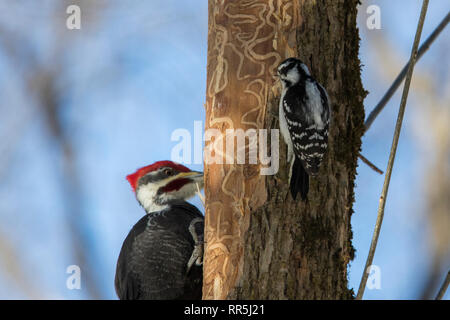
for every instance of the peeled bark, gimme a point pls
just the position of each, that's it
(260, 243)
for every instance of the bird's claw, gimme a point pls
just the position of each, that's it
(197, 253)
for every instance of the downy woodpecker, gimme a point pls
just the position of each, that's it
(304, 115)
(161, 258)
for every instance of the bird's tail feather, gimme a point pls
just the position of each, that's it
(299, 180)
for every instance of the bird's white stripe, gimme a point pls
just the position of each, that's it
(299, 136)
(288, 109)
(316, 135)
(315, 104)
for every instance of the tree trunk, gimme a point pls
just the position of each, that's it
(260, 243)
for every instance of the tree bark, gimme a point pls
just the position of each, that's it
(260, 243)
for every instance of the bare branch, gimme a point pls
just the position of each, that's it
(370, 164)
(444, 287)
(387, 96)
(390, 165)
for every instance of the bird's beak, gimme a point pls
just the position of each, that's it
(194, 175)
(278, 76)
(196, 178)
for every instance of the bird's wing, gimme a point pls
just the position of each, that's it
(307, 118)
(195, 219)
(294, 106)
(126, 283)
(157, 251)
(326, 114)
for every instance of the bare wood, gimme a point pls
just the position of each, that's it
(243, 53)
(260, 244)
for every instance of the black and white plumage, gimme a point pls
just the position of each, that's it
(161, 258)
(304, 116)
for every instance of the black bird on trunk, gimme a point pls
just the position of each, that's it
(162, 256)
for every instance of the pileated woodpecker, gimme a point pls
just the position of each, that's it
(162, 256)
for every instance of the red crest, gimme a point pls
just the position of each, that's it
(134, 177)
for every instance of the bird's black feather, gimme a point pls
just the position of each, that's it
(299, 180)
(153, 260)
(304, 122)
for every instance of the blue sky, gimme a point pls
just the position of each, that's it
(133, 74)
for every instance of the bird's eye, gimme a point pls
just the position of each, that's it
(168, 172)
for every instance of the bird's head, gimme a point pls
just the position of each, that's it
(291, 70)
(163, 182)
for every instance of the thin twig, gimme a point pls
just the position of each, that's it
(387, 96)
(390, 165)
(444, 287)
(370, 164)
